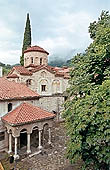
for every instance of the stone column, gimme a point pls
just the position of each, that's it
(16, 156)
(28, 144)
(10, 143)
(49, 141)
(40, 146)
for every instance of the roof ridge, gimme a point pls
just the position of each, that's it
(25, 113)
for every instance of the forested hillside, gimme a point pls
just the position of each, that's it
(6, 67)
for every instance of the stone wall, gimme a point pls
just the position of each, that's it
(52, 103)
(36, 58)
(2, 142)
(53, 84)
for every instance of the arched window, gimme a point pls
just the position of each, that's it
(56, 86)
(9, 107)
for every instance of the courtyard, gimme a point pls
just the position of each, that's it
(52, 156)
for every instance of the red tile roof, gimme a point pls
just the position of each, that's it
(13, 90)
(12, 76)
(36, 48)
(40, 67)
(21, 70)
(26, 113)
(31, 65)
(59, 72)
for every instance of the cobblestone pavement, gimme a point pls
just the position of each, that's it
(53, 157)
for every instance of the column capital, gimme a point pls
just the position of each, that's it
(28, 133)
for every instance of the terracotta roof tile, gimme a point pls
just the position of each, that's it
(12, 76)
(26, 113)
(48, 68)
(21, 70)
(13, 90)
(58, 71)
(36, 48)
(31, 65)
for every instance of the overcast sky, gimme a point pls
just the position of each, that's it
(59, 26)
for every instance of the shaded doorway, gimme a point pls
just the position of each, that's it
(23, 138)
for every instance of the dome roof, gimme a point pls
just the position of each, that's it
(36, 48)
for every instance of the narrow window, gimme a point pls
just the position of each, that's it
(40, 61)
(43, 87)
(9, 107)
(2, 136)
(31, 60)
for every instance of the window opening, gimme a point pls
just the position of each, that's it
(2, 136)
(43, 87)
(28, 82)
(9, 107)
(31, 60)
(40, 61)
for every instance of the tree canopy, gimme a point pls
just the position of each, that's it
(27, 39)
(87, 108)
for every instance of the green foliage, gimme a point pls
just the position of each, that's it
(27, 39)
(87, 108)
(6, 70)
(103, 20)
(88, 124)
(7, 67)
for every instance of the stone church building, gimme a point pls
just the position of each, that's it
(22, 122)
(49, 82)
(29, 98)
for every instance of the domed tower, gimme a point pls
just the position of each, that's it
(35, 55)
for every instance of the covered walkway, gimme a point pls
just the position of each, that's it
(25, 125)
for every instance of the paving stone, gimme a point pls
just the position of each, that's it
(52, 158)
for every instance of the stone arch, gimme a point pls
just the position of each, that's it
(23, 130)
(35, 136)
(35, 127)
(23, 137)
(9, 131)
(55, 86)
(45, 133)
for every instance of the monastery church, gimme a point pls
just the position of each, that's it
(30, 96)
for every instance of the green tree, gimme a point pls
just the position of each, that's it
(27, 39)
(87, 108)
